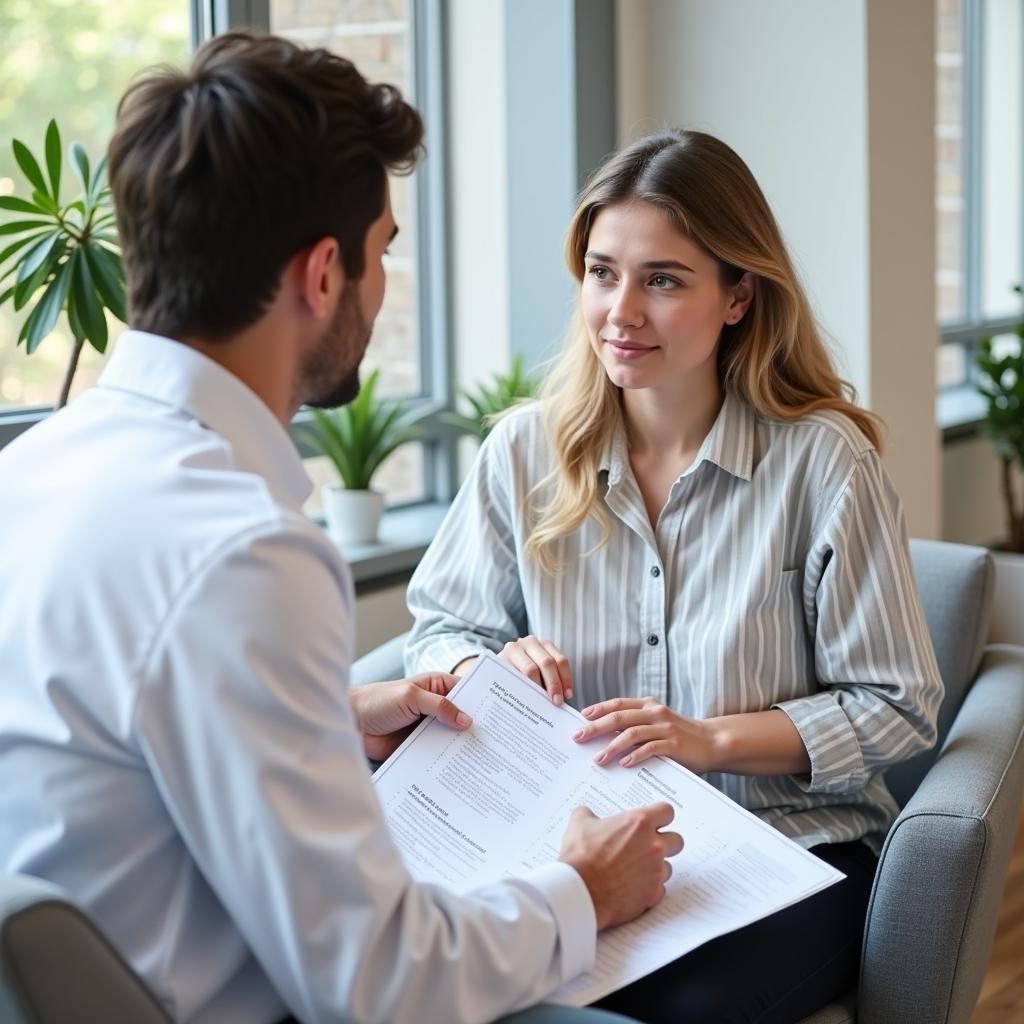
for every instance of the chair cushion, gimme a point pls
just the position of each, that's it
(956, 583)
(56, 966)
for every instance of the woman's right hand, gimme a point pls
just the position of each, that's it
(538, 660)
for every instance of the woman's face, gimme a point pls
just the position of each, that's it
(652, 300)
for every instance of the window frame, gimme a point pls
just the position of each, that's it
(208, 17)
(960, 408)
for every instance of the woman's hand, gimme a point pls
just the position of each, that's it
(542, 662)
(647, 728)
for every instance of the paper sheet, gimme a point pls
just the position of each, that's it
(467, 808)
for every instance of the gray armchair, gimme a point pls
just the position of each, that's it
(936, 894)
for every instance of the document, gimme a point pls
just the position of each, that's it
(470, 807)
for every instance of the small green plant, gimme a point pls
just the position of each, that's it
(65, 256)
(1002, 384)
(488, 402)
(359, 436)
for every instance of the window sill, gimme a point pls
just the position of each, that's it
(404, 536)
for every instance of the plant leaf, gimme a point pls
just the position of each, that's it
(53, 160)
(15, 226)
(97, 189)
(44, 202)
(108, 277)
(17, 205)
(35, 267)
(88, 306)
(80, 164)
(44, 316)
(29, 165)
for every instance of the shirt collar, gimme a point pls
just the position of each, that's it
(174, 374)
(729, 444)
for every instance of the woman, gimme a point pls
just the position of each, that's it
(692, 537)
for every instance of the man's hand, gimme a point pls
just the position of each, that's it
(622, 859)
(388, 712)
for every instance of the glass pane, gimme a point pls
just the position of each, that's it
(71, 61)
(402, 477)
(950, 366)
(949, 148)
(1002, 234)
(1005, 345)
(376, 35)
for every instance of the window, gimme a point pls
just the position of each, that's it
(979, 169)
(72, 62)
(105, 43)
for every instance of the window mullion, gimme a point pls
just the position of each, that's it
(973, 137)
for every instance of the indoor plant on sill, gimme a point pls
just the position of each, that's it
(64, 256)
(488, 402)
(1002, 384)
(357, 438)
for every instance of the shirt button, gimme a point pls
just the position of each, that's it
(652, 639)
(655, 571)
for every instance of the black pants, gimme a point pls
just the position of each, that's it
(775, 971)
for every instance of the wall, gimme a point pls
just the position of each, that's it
(832, 106)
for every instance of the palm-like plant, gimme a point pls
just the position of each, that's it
(359, 436)
(64, 256)
(1002, 384)
(489, 401)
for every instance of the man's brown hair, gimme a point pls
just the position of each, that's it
(222, 173)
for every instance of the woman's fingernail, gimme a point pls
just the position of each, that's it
(578, 734)
(600, 759)
(568, 694)
(626, 761)
(463, 719)
(557, 698)
(587, 712)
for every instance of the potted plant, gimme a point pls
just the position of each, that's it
(357, 438)
(64, 256)
(489, 401)
(1002, 384)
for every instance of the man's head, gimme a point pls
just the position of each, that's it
(223, 174)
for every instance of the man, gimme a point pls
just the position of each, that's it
(179, 748)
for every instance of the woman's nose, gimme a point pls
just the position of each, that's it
(626, 309)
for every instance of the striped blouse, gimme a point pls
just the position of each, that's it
(778, 576)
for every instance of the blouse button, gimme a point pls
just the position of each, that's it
(652, 639)
(655, 571)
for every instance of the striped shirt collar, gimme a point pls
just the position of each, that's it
(729, 444)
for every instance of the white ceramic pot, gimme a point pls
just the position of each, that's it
(353, 517)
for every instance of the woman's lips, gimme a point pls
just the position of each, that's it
(628, 350)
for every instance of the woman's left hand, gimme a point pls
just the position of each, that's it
(647, 728)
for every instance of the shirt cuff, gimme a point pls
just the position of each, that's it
(573, 909)
(444, 655)
(837, 763)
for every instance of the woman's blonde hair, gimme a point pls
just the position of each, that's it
(775, 358)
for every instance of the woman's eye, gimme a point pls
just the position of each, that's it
(599, 273)
(661, 281)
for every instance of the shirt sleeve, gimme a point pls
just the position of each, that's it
(880, 685)
(466, 595)
(247, 730)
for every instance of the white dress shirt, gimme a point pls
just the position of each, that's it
(176, 743)
(778, 575)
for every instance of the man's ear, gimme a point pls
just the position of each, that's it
(321, 277)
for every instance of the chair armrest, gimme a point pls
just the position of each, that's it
(936, 895)
(384, 662)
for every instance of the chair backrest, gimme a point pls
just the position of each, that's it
(956, 583)
(56, 966)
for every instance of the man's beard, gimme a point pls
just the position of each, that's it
(329, 377)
